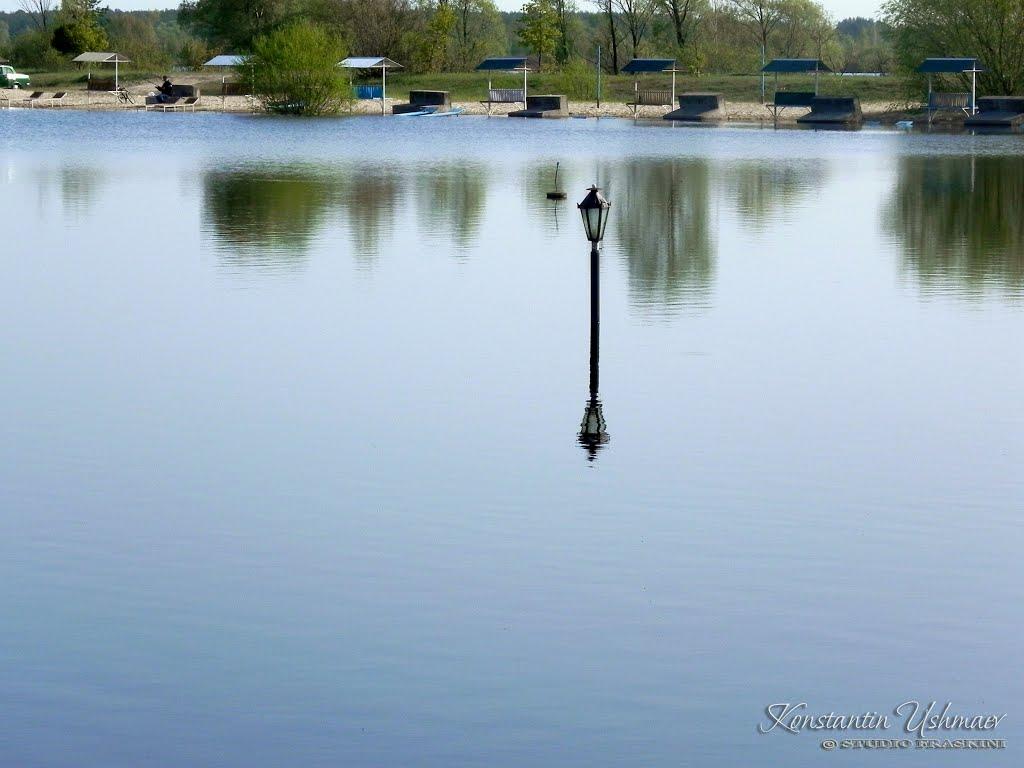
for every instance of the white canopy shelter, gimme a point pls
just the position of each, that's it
(226, 60)
(234, 61)
(102, 57)
(383, 63)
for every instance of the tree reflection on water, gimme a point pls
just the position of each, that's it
(764, 190)
(663, 224)
(265, 216)
(958, 221)
(450, 202)
(269, 215)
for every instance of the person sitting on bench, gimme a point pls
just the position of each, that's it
(166, 90)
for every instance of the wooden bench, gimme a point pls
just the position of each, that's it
(650, 99)
(100, 84)
(504, 96)
(235, 88)
(783, 99)
(948, 102)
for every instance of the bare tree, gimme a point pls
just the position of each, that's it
(38, 10)
(636, 15)
(762, 16)
(682, 14)
(607, 10)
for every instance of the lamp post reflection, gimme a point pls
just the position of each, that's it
(593, 434)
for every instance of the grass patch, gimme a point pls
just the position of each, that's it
(579, 85)
(472, 86)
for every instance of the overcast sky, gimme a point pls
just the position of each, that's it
(839, 8)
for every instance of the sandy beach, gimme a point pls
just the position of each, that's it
(735, 111)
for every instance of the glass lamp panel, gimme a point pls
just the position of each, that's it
(592, 220)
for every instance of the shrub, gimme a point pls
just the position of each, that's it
(578, 80)
(194, 53)
(296, 70)
(32, 50)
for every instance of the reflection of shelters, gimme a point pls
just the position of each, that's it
(383, 63)
(232, 61)
(101, 57)
(504, 95)
(937, 101)
(651, 97)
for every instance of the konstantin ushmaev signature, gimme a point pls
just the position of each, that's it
(922, 719)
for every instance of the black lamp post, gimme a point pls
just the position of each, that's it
(594, 210)
(593, 434)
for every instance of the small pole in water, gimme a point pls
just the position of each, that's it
(556, 195)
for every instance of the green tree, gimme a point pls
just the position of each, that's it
(538, 28)
(32, 49)
(432, 52)
(565, 10)
(296, 69)
(79, 27)
(993, 30)
(134, 35)
(234, 23)
(479, 32)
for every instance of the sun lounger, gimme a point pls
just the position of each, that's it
(164, 105)
(32, 99)
(57, 99)
(175, 104)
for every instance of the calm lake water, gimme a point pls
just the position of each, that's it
(289, 459)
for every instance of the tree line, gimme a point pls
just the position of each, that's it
(704, 36)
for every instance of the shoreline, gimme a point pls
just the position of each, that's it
(745, 112)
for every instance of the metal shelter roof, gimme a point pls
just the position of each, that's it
(101, 57)
(795, 65)
(225, 60)
(649, 65)
(955, 64)
(369, 62)
(504, 64)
